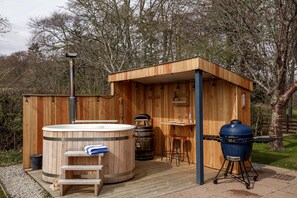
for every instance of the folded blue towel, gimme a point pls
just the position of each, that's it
(98, 151)
(95, 149)
(92, 146)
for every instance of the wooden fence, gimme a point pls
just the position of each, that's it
(289, 126)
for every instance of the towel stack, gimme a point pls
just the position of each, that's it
(96, 149)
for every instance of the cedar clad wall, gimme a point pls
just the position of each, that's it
(221, 103)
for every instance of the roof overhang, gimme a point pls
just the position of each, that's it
(180, 71)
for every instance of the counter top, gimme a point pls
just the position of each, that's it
(178, 123)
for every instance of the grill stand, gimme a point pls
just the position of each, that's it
(244, 173)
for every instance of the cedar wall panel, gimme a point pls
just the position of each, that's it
(39, 111)
(221, 103)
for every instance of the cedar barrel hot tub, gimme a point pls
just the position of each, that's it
(118, 163)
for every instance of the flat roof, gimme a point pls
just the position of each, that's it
(180, 71)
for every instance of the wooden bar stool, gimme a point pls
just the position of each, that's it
(167, 143)
(177, 149)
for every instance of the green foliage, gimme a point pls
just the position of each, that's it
(11, 157)
(285, 159)
(10, 120)
(261, 114)
(294, 112)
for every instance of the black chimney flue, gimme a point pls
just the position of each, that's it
(72, 100)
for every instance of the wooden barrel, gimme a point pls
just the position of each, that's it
(144, 143)
(118, 163)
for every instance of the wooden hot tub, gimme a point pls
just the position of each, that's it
(118, 163)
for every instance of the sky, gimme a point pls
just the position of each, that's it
(18, 13)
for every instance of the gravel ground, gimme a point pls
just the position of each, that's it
(18, 184)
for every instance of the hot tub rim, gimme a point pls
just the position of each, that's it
(88, 127)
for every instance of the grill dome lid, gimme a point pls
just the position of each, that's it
(236, 129)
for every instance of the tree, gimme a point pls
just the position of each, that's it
(4, 25)
(261, 35)
(111, 35)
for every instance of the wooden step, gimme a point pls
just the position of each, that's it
(65, 184)
(82, 167)
(79, 154)
(79, 181)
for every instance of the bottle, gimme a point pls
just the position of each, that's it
(190, 118)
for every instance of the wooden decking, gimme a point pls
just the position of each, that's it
(153, 178)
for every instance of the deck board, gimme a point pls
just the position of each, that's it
(153, 178)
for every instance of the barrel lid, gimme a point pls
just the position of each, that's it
(142, 117)
(143, 127)
(236, 129)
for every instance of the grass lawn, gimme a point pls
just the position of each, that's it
(285, 159)
(10, 158)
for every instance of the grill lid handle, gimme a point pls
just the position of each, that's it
(235, 122)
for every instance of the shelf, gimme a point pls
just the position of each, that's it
(178, 123)
(182, 101)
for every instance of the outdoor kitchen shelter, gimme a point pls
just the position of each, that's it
(192, 91)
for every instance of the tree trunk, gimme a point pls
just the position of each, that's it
(279, 101)
(276, 127)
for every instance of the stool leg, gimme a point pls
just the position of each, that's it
(163, 149)
(168, 153)
(187, 151)
(167, 142)
(177, 149)
(182, 149)
(172, 150)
